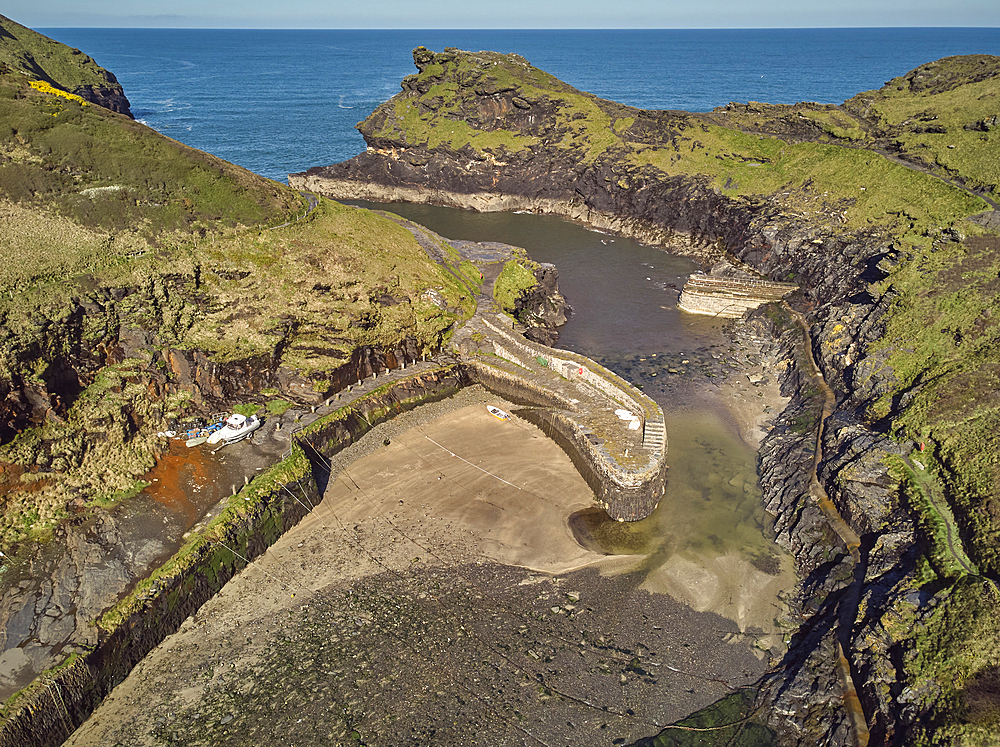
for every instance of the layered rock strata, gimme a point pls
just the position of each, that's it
(487, 132)
(728, 293)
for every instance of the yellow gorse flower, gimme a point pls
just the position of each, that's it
(41, 85)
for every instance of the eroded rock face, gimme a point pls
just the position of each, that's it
(110, 96)
(849, 595)
(543, 307)
(685, 214)
(209, 384)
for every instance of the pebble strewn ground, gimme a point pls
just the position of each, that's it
(480, 654)
(383, 620)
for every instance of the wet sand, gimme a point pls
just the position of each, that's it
(439, 596)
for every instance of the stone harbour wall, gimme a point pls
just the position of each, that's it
(728, 298)
(626, 494)
(49, 710)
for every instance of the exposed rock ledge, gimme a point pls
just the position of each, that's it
(548, 160)
(729, 293)
(576, 209)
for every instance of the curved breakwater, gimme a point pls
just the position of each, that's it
(49, 710)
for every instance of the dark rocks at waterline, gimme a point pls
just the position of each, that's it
(748, 354)
(543, 308)
(51, 597)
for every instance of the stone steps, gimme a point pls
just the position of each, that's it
(654, 436)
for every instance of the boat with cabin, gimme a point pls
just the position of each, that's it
(236, 428)
(497, 412)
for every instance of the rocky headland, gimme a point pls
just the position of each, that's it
(29, 53)
(139, 296)
(880, 210)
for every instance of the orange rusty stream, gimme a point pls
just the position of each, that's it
(10, 480)
(852, 703)
(179, 471)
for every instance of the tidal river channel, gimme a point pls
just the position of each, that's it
(624, 298)
(425, 601)
(707, 546)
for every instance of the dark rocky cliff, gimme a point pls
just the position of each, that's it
(875, 657)
(40, 58)
(537, 148)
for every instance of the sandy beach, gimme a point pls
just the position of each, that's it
(438, 595)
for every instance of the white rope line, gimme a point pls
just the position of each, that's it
(248, 562)
(469, 463)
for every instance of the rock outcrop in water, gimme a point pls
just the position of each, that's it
(879, 526)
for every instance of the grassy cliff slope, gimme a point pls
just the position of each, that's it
(821, 161)
(884, 209)
(43, 59)
(142, 282)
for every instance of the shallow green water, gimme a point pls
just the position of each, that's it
(624, 296)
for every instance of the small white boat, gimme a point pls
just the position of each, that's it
(237, 428)
(497, 413)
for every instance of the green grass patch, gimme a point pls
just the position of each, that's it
(113, 497)
(729, 721)
(944, 651)
(941, 117)
(826, 183)
(42, 58)
(83, 189)
(512, 282)
(939, 349)
(835, 123)
(927, 501)
(435, 131)
(277, 407)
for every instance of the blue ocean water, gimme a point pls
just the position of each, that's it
(281, 101)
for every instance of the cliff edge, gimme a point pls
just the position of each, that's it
(39, 58)
(882, 473)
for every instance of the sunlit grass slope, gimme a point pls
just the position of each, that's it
(117, 241)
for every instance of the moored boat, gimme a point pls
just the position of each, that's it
(236, 428)
(497, 413)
